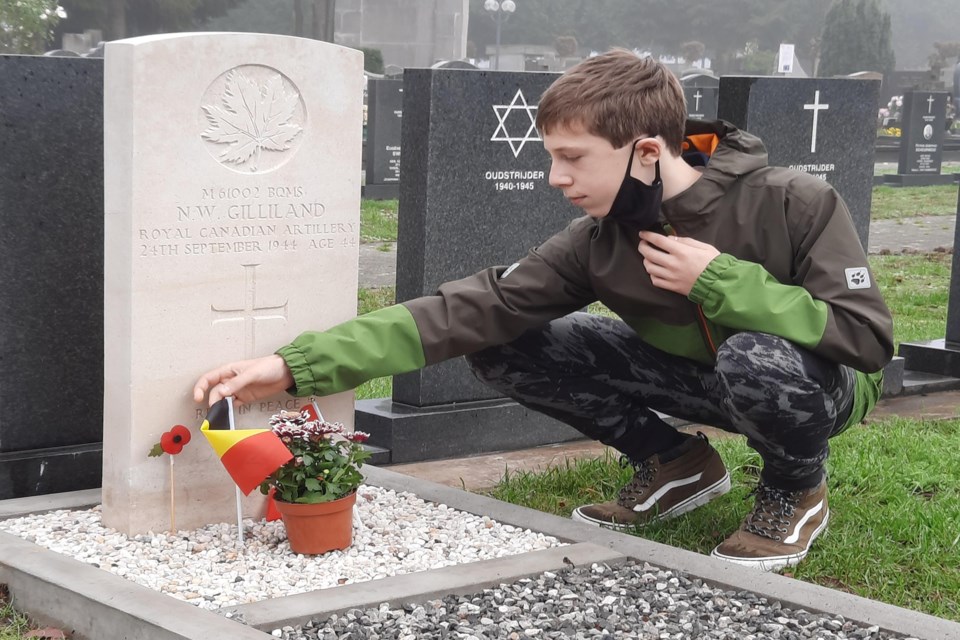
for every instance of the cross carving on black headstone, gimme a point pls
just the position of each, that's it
(816, 106)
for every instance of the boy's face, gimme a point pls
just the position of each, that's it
(586, 168)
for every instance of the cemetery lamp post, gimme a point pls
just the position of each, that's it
(500, 12)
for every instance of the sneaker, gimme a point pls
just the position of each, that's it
(664, 486)
(780, 529)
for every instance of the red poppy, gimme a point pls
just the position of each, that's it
(173, 441)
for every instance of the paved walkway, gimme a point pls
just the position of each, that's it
(378, 260)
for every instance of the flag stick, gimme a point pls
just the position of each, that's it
(316, 409)
(239, 519)
(173, 504)
(233, 427)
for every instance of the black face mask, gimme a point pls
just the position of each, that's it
(637, 205)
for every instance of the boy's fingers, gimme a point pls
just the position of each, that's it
(690, 242)
(656, 239)
(200, 388)
(210, 380)
(216, 395)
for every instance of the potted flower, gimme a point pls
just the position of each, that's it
(316, 490)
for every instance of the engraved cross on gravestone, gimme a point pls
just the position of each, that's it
(245, 314)
(816, 107)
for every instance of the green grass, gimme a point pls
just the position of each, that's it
(378, 220)
(13, 625)
(916, 288)
(895, 203)
(894, 497)
(377, 298)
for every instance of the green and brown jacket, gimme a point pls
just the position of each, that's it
(788, 265)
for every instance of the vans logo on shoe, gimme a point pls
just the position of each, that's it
(793, 537)
(662, 491)
(857, 278)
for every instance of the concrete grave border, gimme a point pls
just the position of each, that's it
(55, 589)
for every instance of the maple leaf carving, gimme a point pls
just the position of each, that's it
(252, 118)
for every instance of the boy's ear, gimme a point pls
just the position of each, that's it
(648, 150)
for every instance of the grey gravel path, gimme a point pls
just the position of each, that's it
(629, 601)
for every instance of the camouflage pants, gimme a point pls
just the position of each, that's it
(598, 376)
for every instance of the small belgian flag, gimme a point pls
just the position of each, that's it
(248, 455)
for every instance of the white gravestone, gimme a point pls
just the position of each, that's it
(232, 166)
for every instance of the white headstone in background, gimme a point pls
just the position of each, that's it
(232, 166)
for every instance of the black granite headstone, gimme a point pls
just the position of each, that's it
(826, 127)
(701, 102)
(702, 93)
(51, 287)
(474, 193)
(384, 116)
(923, 127)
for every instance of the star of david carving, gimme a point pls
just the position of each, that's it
(519, 103)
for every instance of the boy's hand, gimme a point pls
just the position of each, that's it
(247, 380)
(674, 263)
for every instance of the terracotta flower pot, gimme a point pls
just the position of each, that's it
(318, 528)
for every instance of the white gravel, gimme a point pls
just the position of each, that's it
(398, 534)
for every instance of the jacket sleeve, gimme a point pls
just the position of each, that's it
(379, 343)
(491, 307)
(833, 306)
(496, 305)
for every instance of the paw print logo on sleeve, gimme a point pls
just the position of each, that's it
(857, 278)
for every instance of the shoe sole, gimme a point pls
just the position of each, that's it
(775, 563)
(698, 499)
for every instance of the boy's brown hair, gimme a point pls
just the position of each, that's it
(619, 97)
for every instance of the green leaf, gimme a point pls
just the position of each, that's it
(156, 451)
(312, 484)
